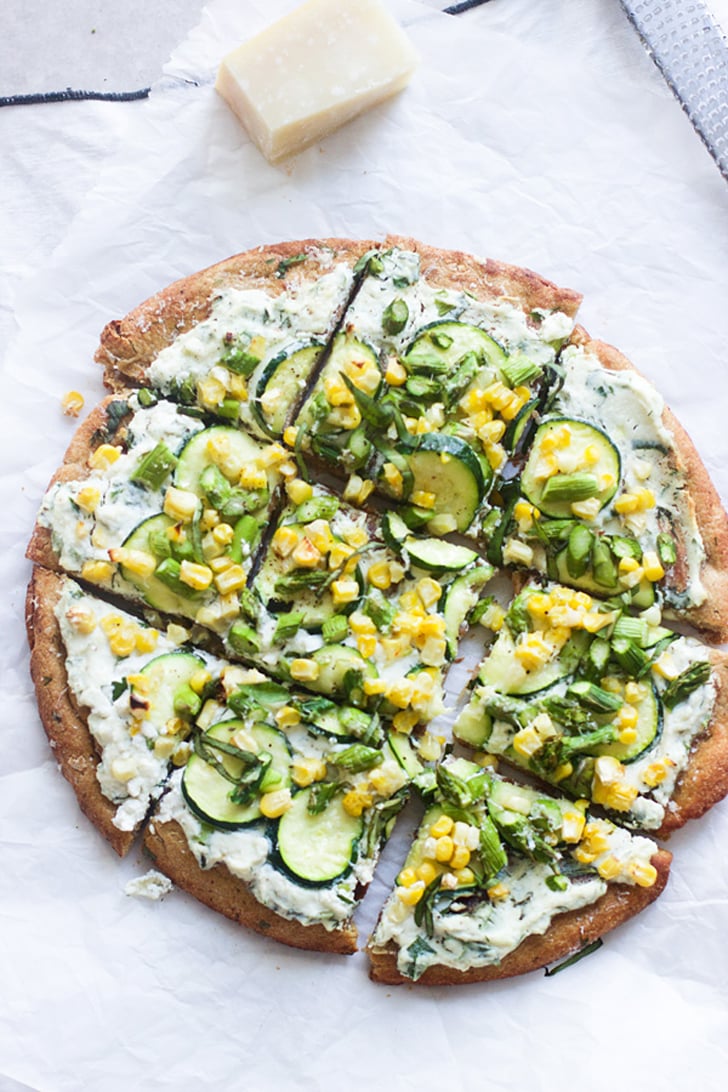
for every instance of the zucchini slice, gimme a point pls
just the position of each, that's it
(318, 848)
(286, 374)
(156, 593)
(166, 675)
(341, 671)
(594, 462)
(474, 724)
(502, 671)
(208, 792)
(394, 531)
(438, 348)
(458, 600)
(648, 728)
(448, 467)
(404, 753)
(643, 595)
(194, 457)
(436, 555)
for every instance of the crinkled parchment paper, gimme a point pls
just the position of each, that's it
(536, 133)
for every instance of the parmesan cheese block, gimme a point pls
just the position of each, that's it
(313, 70)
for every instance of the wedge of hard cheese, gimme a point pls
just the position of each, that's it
(313, 70)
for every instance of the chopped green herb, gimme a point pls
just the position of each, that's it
(585, 951)
(285, 264)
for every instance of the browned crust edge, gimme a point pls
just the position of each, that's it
(221, 891)
(704, 781)
(711, 617)
(73, 468)
(567, 933)
(129, 345)
(65, 723)
(489, 279)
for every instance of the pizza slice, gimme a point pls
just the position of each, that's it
(353, 605)
(116, 699)
(502, 879)
(440, 363)
(605, 706)
(612, 497)
(238, 340)
(274, 802)
(156, 507)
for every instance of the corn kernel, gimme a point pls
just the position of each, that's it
(274, 804)
(485, 760)
(426, 872)
(644, 875)
(627, 736)
(627, 717)
(306, 771)
(374, 687)
(104, 456)
(344, 591)
(195, 576)
(82, 619)
(609, 868)
(433, 651)
(564, 770)
(287, 717)
(290, 435)
(253, 476)
(180, 504)
(443, 825)
(299, 490)
(628, 565)
(626, 504)
(361, 624)
(410, 896)
(498, 891)
(284, 541)
(527, 742)
(379, 575)
(460, 858)
(356, 801)
(200, 679)
(424, 499)
(366, 645)
(303, 670)
(444, 848)
(306, 555)
(97, 572)
(123, 640)
(393, 478)
(653, 570)
(136, 561)
(586, 509)
(396, 374)
(405, 721)
(655, 774)
(407, 877)
(572, 826)
(72, 403)
(210, 392)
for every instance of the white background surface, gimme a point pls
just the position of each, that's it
(540, 134)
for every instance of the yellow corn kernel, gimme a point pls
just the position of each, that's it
(652, 568)
(253, 476)
(344, 591)
(563, 771)
(178, 635)
(586, 509)
(644, 875)
(532, 651)
(337, 392)
(429, 591)
(626, 504)
(527, 742)
(271, 455)
(290, 435)
(82, 619)
(180, 504)
(423, 499)
(285, 541)
(366, 645)
(287, 717)
(583, 855)
(664, 666)
(426, 872)
(645, 499)
(195, 576)
(210, 392)
(223, 534)
(136, 561)
(237, 385)
(72, 403)
(199, 680)
(396, 373)
(627, 717)
(122, 641)
(361, 624)
(572, 826)
(628, 565)
(218, 564)
(443, 825)
(97, 572)
(407, 877)
(374, 687)
(627, 736)
(612, 684)
(356, 801)
(498, 891)
(305, 771)
(405, 721)
(410, 896)
(591, 455)
(299, 490)
(444, 848)
(274, 804)
(655, 774)
(609, 868)
(618, 797)
(104, 456)
(433, 651)
(165, 746)
(304, 670)
(460, 858)
(393, 478)
(306, 555)
(400, 693)
(379, 575)
(485, 760)
(592, 621)
(88, 498)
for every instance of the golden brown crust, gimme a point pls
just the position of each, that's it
(488, 279)
(567, 933)
(704, 782)
(711, 617)
(66, 723)
(130, 344)
(87, 437)
(221, 891)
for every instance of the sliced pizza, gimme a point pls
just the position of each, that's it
(238, 340)
(502, 879)
(604, 705)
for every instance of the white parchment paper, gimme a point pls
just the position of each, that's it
(535, 133)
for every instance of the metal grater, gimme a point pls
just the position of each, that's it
(689, 48)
